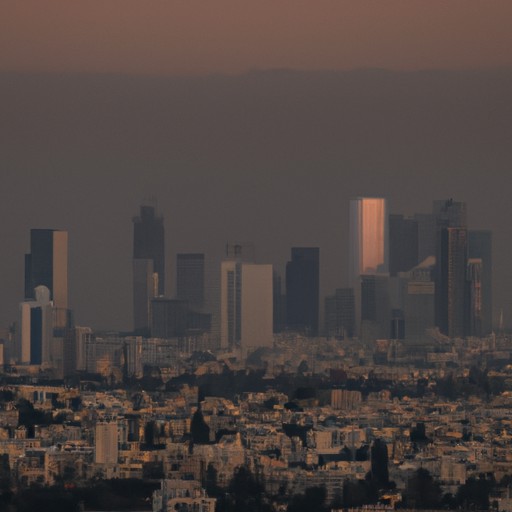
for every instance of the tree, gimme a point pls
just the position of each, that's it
(475, 493)
(312, 499)
(379, 457)
(422, 491)
(199, 430)
(246, 493)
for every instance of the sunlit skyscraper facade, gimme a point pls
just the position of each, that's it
(368, 234)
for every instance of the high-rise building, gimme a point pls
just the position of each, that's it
(427, 229)
(106, 448)
(36, 328)
(403, 244)
(474, 316)
(340, 314)
(451, 266)
(169, 318)
(279, 301)
(368, 245)
(451, 281)
(230, 303)
(246, 307)
(190, 279)
(375, 307)
(148, 265)
(419, 300)
(480, 246)
(47, 265)
(368, 233)
(303, 289)
(257, 308)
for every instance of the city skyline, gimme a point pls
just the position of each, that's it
(216, 154)
(369, 219)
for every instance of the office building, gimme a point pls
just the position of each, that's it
(375, 308)
(368, 245)
(106, 449)
(190, 279)
(474, 310)
(403, 244)
(148, 265)
(36, 328)
(340, 314)
(451, 281)
(256, 312)
(480, 246)
(246, 312)
(169, 318)
(419, 301)
(368, 237)
(47, 265)
(451, 266)
(427, 229)
(230, 303)
(302, 290)
(279, 301)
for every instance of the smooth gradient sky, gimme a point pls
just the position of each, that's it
(105, 103)
(226, 36)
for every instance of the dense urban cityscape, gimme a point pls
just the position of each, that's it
(255, 256)
(234, 395)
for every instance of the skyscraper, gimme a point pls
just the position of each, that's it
(36, 328)
(403, 244)
(246, 308)
(451, 267)
(368, 233)
(480, 246)
(47, 265)
(303, 289)
(257, 308)
(190, 279)
(474, 317)
(148, 265)
(339, 314)
(368, 245)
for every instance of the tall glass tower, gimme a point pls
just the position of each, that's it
(148, 265)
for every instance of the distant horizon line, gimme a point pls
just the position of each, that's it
(259, 71)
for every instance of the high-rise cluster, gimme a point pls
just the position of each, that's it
(407, 276)
(439, 273)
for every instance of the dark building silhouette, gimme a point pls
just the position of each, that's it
(427, 228)
(190, 279)
(149, 242)
(148, 265)
(168, 318)
(451, 267)
(279, 303)
(340, 314)
(403, 244)
(375, 307)
(474, 316)
(47, 265)
(451, 281)
(302, 290)
(480, 246)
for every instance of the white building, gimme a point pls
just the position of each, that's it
(106, 448)
(246, 312)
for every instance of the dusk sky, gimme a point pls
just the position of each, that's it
(249, 121)
(212, 36)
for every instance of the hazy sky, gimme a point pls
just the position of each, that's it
(270, 157)
(267, 157)
(205, 36)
